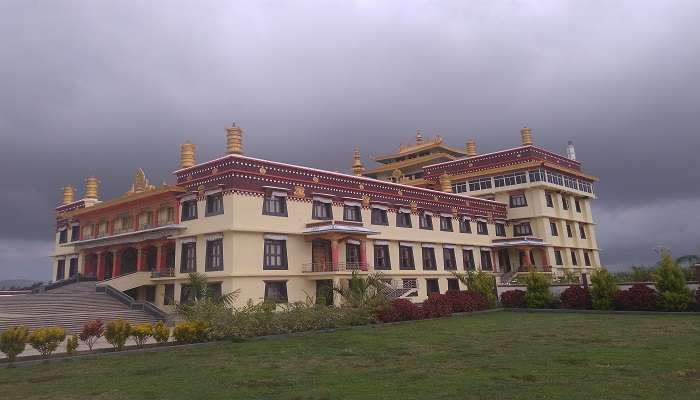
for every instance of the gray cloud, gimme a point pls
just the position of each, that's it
(104, 88)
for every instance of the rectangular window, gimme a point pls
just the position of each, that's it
(74, 233)
(166, 216)
(188, 259)
(61, 270)
(450, 261)
(352, 255)
(582, 231)
(587, 258)
(486, 264)
(553, 228)
(465, 226)
(482, 228)
(275, 254)
(452, 284)
(352, 213)
(522, 229)
(432, 286)
(550, 201)
(214, 289)
(406, 257)
(63, 236)
(446, 224)
(500, 230)
(403, 219)
(536, 175)
(169, 296)
(577, 205)
(215, 204)
(518, 200)
(429, 259)
(510, 179)
(379, 217)
(468, 256)
(73, 268)
(425, 221)
(275, 205)
(568, 231)
(574, 261)
(480, 184)
(276, 291)
(186, 294)
(322, 210)
(381, 257)
(557, 257)
(189, 210)
(460, 187)
(215, 255)
(564, 203)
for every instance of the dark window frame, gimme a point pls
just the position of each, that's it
(482, 228)
(449, 259)
(186, 257)
(574, 258)
(403, 220)
(378, 265)
(518, 200)
(214, 260)
(61, 270)
(74, 233)
(465, 226)
(406, 258)
(352, 213)
(582, 231)
(549, 200)
(486, 259)
(270, 258)
(275, 206)
(558, 259)
(429, 288)
(446, 224)
(452, 284)
(587, 258)
(469, 264)
(282, 289)
(428, 259)
(553, 228)
(379, 217)
(522, 229)
(214, 204)
(188, 210)
(577, 205)
(321, 210)
(569, 231)
(425, 221)
(63, 236)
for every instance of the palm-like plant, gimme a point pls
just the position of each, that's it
(362, 292)
(202, 300)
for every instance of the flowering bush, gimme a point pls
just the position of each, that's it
(466, 301)
(46, 340)
(91, 332)
(437, 305)
(116, 333)
(576, 297)
(639, 297)
(191, 331)
(513, 299)
(141, 333)
(13, 341)
(399, 310)
(161, 332)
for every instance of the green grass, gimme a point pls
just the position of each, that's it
(488, 356)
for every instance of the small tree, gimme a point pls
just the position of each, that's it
(362, 292)
(72, 344)
(603, 290)
(116, 333)
(161, 332)
(674, 294)
(13, 341)
(141, 333)
(538, 294)
(481, 282)
(91, 332)
(46, 340)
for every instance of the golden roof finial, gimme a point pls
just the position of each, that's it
(419, 137)
(357, 167)
(68, 195)
(234, 140)
(445, 183)
(187, 151)
(526, 135)
(91, 186)
(140, 183)
(471, 148)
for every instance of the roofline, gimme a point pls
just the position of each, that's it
(500, 151)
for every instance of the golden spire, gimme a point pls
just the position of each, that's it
(187, 150)
(234, 140)
(526, 134)
(419, 137)
(357, 167)
(68, 194)
(445, 183)
(471, 148)
(91, 185)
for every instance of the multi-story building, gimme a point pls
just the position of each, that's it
(271, 230)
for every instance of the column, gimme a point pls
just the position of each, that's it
(334, 254)
(363, 255)
(159, 257)
(140, 259)
(545, 258)
(100, 266)
(526, 258)
(116, 263)
(494, 259)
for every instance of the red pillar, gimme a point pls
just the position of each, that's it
(363, 255)
(100, 266)
(159, 257)
(116, 263)
(334, 254)
(140, 259)
(545, 257)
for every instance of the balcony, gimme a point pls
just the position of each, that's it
(337, 267)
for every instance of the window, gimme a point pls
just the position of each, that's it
(550, 202)
(587, 258)
(215, 255)
(446, 224)
(403, 219)
(518, 200)
(557, 257)
(568, 231)
(425, 221)
(379, 217)
(509, 179)
(564, 203)
(186, 294)
(537, 175)
(553, 228)
(468, 256)
(275, 254)
(481, 228)
(582, 231)
(450, 261)
(500, 230)
(276, 291)
(352, 255)
(188, 261)
(429, 259)
(522, 229)
(352, 213)
(381, 257)
(577, 205)
(574, 261)
(452, 284)
(73, 268)
(432, 286)
(165, 216)
(486, 264)
(406, 257)
(215, 289)
(63, 236)
(215, 204)
(169, 296)
(145, 220)
(480, 184)
(322, 210)
(74, 233)
(460, 187)
(61, 270)
(189, 210)
(465, 226)
(275, 205)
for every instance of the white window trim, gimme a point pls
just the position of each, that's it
(352, 204)
(352, 241)
(279, 194)
(407, 244)
(428, 245)
(188, 240)
(215, 236)
(324, 200)
(379, 207)
(380, 243)
(275, 237)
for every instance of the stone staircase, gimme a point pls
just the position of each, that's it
(69, 306)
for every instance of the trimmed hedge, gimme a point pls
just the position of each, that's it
(466, 301)
(436, 305)
(513, 299)
(399, 310)
(576, 297)
(639, 297)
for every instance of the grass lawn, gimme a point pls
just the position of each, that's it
(490, 356)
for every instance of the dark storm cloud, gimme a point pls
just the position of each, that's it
(104, 88)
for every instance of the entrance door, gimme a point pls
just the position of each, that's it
(321, 255)
(109, 262)
(504, 260)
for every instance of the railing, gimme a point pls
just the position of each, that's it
(166, 273)
(337, 267)
(536, 268)
(133, 304)
(398, 288)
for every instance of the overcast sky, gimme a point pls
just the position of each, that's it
(107, 87)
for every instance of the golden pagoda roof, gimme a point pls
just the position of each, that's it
(427, 144)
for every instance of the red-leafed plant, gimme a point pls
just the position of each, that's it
(437, 305)
(466, 301)
(399, 310)
(638, 297)
(92, 331)
(513, 299)
(576, 297)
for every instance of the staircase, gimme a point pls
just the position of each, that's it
(69, 307)
(398, 289)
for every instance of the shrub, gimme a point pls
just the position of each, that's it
(116, 332)
(46, 340)
(575, 297)
(674, 294)
(538, 294)
(399, 310)
(481, 282)
(466, 301)
(13, 341)
(436, 306)
(91, 332)
(513, 299)
(141, 333)
(639, 297)
(161, 332)
(72, 344)
(191, 331)
(604, 289)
